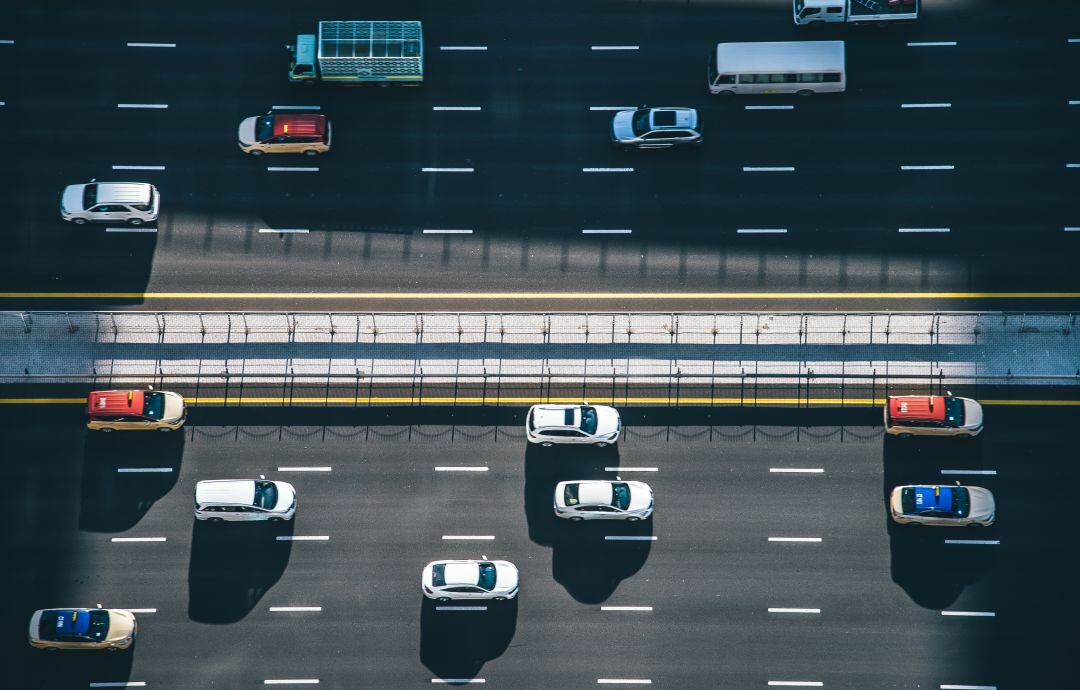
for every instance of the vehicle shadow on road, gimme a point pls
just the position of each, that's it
(72, 668)
(457, 644)
(114, 501)
(232, 566)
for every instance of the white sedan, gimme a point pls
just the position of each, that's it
(603, 500)
(942, 505)
(447, 580)
(598, 425)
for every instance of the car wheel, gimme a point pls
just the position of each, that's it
(602, 444)
(106, 430)
(78, 221)
(576, 518)
(633, 518)
(113, 649)
(727, 93)
(276, 519)
(500, 598)
(164, 429)
(52, 649)
(804, 93)
(443, 600)
(311, 152)
(215, 520)
(904, 436)
(255, 152)
(546, 444)
(136, 221)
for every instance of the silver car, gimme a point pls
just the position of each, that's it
(600, 499)
(110, 202)
(656, 128)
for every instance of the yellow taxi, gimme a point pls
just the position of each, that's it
(135, 410)
(306, 133)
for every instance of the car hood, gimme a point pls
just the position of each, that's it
(982, 503)
(286, 496)
(246, 133)
(71, 201)
(506, 576)
(121, 624)
(174, 407)
(622, 125)
(640, 495)
(607, 421)
(973, 414)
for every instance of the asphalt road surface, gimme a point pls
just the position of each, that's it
(717, 597)
(997, 168)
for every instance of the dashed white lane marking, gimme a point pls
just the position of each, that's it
(141, 610)
(967, 687)
(612, 107)
(306, 537)
(7, 41)
(461, 608)
(131, 229)
(778, 168)
(797, 470)
(461, 468)
(628, 537)
(607, 170)
(976, 542)
(804, 540)
(631, 469)
(926, 105)
(1072, 165)
(626, 608)
(796, 684)
(132, 470)
(152, 106)
(463, 108)
(462, 47)
(121, 684)
(291, 681)
(761, 231)
(769, 107)
(1074, 102)
(290, 169)
(283, 231)
(970, 614)
(3, 103)
(468, 537)
(615, 47)
(930, 44)
(456, 681)
(916, 230)
(138, 167)
(324, 468)
(295, 609)
(150, 45)
(1072, 229)
(447, 231)
(969, 471)
(606, 231)
(296, 107)
(1071, 40)
(927, 167)
(790, 610)
(137, 539)
(623, 681)
(451, 170)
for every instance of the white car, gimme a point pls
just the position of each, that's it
(244, 500)
(447, 580)
(110, 202)
(603, 500)
(111, 629)
(598, 425)
(942, 505)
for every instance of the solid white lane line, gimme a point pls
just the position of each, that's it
(142, 610)
(315, 537)
(929, 44)
(290, 169)
(796, 470)
(977, 542)
(609, 231)
(283, 231)
(131, 229)
(612, 107)
(461, 468)
(971, 614)
(1074, 102)
(121, 684)
(922, 229)
(627, 537)
(468, 537)
(623, 681)
(769, 107)
(1072, 165)
(298, 609)
(463, 108)
(926, 105)
(761, 231)
(132, 470)
(789, 610)
(806, 540)
(136, 539)
(779, 168)
(457, 170)
(461, 608)
(153, 106)
(969, 471)
(304, 469)
(150, 45)
(927, 167)
(1072, 229)
(447, 231)
(291, 681)
(456, 681)
(796, 683)
(626, 608)
(615, 47)
(138, 167)
(462, 47)
(7, 41)
(631, 469)
(296, 107)
(947, 686)
(606, 170)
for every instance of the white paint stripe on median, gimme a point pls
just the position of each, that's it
(974, 542)
(283, 231)
(133, 470)
(295, 609)
(970, 614)
(461, 468)
(803, 540)
(468, 537)
(138, 167)
(132, 44)
(447, 231)
(309, 537)
(461, 108)
(626, 608)
(1074, 102)
(922, 230)
(930, 44)
(606, 231)
(324, 468)
(927, 167)
(290, 169)
(628, 537)
(151, 106)
(1072, 229)
(607, 170)
(139, 229)
(136, 539)
(790, 610)
(450, 170)
(1072, 165)
(926, 105)
(631, 469)
(796, 470)
(969, 472)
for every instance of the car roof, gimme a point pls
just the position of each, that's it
(933, 497)
(594, 493)
(229, 491)
(457, 574)
(564, 416)
(672, 118)
(124, 192)
(116, 402)
(930, 407)
(299, 124)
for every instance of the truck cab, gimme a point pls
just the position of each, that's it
(854, 11)
(302, 67)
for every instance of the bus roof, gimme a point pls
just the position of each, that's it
(782, 56)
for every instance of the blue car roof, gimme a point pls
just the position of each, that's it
(926, 500)
(69, 622)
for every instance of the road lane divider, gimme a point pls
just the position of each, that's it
(291, 681)
(447, 231)
(606, 231)
(461, 608)
(287, 168)
(631, 469)
(468, 537)
(797, 540)
(796, 470)
(950, 686)
(144, 106)
(545, 296)
(612, 107)
(769, 107)
(974, 542)
(138, 167)
(629, 537)
(139, 610)
(461, 468)
(283, 231)
(792, 610)
(457, 108)
(463, 48)
(132, 44)
(928, 167)
(134, 470)
(987, 472)
(298, 468)
(459, 681)
(775, 168)
(296, 107)
(930, 44)
(607, 170)
(120, 684)
(796, 684)
(970, 614)
(127, 540)
(624, 681)
(131, 229)
(926, 105)
(295, 609)
(615, 47)
(626, 608)
(448, 170)
(761, 231)
(924, 230)
(307, 537)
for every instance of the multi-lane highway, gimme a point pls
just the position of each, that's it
(948, 169)
(769, 559)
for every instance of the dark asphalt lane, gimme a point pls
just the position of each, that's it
(1006, 202)
(711, 574)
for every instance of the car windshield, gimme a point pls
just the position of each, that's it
(89, 195)
(487, 576)
(588, 420)
(153, 405)
(961, 502)
(264, 128)
(640, 121)
(265, 495)
(620, 495)
(570, 494)
(954, 411)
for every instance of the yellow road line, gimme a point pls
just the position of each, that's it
(491, 400)
(518, 296)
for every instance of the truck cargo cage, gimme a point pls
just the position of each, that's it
(363, 50)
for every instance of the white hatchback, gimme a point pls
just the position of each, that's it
(603, 500)
(942, 505)
(244, 500)
(110, 202)
(549, 424)
(447, 580)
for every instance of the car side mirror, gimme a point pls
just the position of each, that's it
(149, 388)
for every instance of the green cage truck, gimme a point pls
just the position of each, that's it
(360, 52)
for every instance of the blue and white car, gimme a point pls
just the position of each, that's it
(74, 628)
(942, 505)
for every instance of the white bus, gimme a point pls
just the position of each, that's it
(802, 67)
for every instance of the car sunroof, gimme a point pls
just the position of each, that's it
(664, 118)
